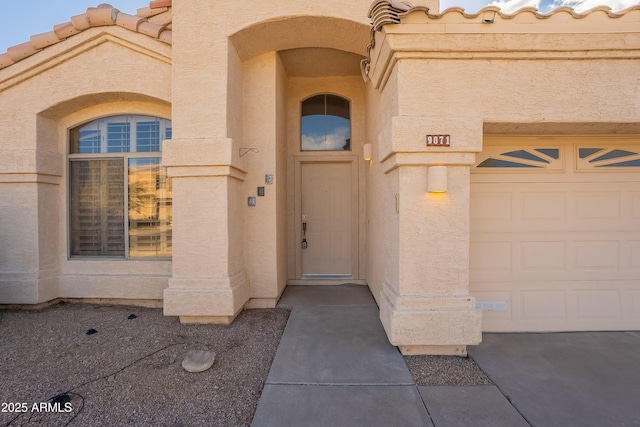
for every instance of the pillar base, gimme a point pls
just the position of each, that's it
(206, 300)
(262, 303)
(207, 320)
(442, 325)
(440, 350)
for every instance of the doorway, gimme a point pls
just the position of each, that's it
(327, 219)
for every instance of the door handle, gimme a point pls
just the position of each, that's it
(304, 235)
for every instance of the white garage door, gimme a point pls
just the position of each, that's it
(555, 233)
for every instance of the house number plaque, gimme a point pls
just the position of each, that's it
(438, 140)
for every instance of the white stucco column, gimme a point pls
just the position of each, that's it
(209, 280)
(30, 178)
(426, 308)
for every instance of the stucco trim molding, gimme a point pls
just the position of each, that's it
(201, 157)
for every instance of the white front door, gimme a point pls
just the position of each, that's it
(326, 213)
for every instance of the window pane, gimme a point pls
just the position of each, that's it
(325, 133)
(118, 137)
(120, 134)
(337, 106)
(150, 217)
(147, 136)
(97, 207)
(325, 124)
(89, 141)
(314, 106)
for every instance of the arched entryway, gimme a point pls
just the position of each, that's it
(284, 63)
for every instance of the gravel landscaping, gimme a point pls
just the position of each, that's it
(446, 371)
(128, 372)
(82, 364)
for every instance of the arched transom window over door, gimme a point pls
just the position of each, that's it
(326, 124)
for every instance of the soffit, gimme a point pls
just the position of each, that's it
(320, 62)
(153, 21)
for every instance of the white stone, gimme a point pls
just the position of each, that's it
(198, 360)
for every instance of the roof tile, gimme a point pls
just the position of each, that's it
(152, 30)
(40, 41)
(166, 36)
(5, 60)
(147, 12)
(101, 15)
(65, 30)
(130, 22)
(160, 3)
(21, 51)
(80, 22)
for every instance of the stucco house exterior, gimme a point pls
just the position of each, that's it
(479, 172)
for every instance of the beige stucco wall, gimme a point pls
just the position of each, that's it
(91, 75)
(261, 121)
(232, 54)
(383, 221)
(232, 83)
(454, 75)
(281, 178)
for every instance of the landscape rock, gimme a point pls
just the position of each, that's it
(198, 360)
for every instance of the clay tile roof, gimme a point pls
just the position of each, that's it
(102, 15)
(383, 12)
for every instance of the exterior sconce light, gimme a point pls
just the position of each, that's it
(437, 179)
(367, 152)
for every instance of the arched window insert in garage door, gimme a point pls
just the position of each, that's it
(590, 158)
(520, 158)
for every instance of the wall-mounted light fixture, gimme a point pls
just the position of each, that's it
(437, 179)
(367, 152)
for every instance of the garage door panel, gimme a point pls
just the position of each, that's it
(569, 210)
(597, 205)
(597, 255)
(535, 256)
(543, 305)
(491, 256)
(543, 256)
(598, 304)
(635, 204)
(491, 206)
(633, 300)
(559, 306)
(559, 246)
(634, 254)
(551, 206)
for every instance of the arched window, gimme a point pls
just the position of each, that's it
(326, 124)
(119, 195)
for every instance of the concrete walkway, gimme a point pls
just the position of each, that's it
(336, 367)
(566, 379)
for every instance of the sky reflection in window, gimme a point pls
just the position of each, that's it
(325, 124)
